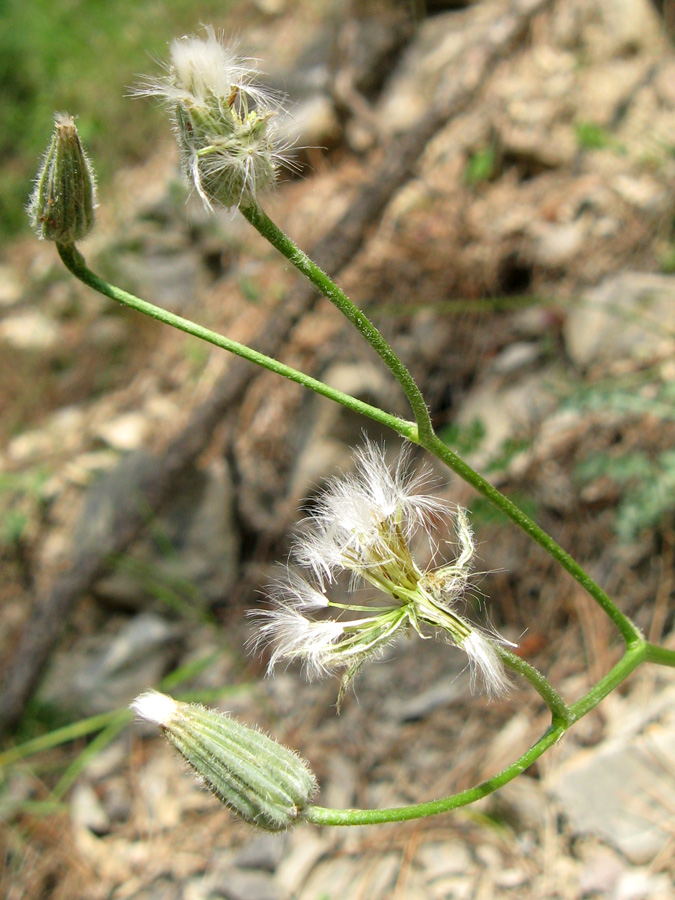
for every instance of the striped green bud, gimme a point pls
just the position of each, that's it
(61, 207)
(265, 783)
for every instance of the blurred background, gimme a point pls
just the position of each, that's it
(492, 182)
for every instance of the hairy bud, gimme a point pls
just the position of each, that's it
(265, 783)
(61, 207)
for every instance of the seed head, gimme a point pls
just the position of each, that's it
(363, 524)
(224, 120)
(61, 206)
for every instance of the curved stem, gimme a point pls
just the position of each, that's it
(320, 815)
(559, 709)
(75, 263)
(630, 632)
(262, 223)
(631, 659)
(564, 718)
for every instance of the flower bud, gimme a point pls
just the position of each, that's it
(61, 207)
(262, 781)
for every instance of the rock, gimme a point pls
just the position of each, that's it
(617, 28)
(641, 884)
(60, 432)
(449, 690)
(314, 123)
(306, 849)
(522, 802)
(510, 878)
(506, 411)
(622, 790)
(441, 858)
(235, 885)
(191, 561)
(628, 316)
(30, 331)
(107, 671)
(10, 287)
(264, 852)
(556, 245)
(600, 871)
(86, 810)
(168, 276)
(516, 356)
(125, 432)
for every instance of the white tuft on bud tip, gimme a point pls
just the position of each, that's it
(155, 707)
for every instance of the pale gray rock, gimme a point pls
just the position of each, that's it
(31, 331)
(264, 853)
(107, 671)
(191, 560)
(10, 287)
(507, 411)
(516, 357)
(628, 316)
(439, 859)
(238, 885)
(622, 790)
(556, 245)
(451, 689)
(86, 810)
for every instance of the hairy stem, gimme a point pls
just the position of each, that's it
(559, 709)
(271, 232)
(563, 718)
(75, 263)
(630, 632)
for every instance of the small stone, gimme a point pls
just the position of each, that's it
(87, 811)
(517, 356)
(442, 858)
(108, 332)
(556, 245)
(10, 287)
(510, 878)
(125, 432)
(235, 885)
(600, 872)
(641, 884)
(264, 852)
(30, 331)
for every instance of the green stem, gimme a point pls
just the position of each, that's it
(320, 815)
(426, 436)
(632, 658)
(630, 632)
(559, 709)
(564, 718)
(75, 263)
(262, 223)
(660, 655)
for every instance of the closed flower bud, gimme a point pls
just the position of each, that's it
(265, 783)
(61, 207)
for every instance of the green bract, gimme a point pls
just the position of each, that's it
(262, 781)
(61, 207)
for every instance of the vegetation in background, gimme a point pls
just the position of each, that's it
(81, 57)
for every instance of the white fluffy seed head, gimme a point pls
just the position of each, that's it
(230, 146)
(155, 707)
